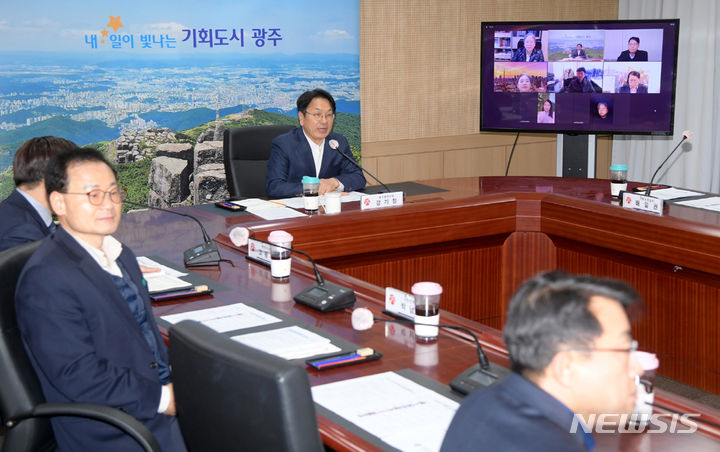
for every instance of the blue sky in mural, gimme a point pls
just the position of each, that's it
(323, 26)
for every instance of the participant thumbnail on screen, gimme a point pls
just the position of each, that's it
(520, 77)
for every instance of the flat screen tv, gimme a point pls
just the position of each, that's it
(614, 77)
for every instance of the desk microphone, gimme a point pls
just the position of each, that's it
(324, 296)
(204, 254)
(687, 135)
(487, 373)
(334, 145)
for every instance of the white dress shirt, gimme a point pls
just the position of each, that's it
(106, 258)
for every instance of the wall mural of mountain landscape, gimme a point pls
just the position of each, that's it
(154, 89)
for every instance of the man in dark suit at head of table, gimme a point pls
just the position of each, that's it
(25, 214)
(84, 313)
(312, 149)
(570, 350)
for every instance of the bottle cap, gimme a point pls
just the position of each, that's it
(426, 288)
(648, 361)
(280, 237)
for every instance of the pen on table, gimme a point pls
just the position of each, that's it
(357, 355)
(278, 203)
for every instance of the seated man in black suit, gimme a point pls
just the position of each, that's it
(581, 84)
(570, 348)
(578, 52)
(25, 214)
(312, 149)
(632, 53)
(84, 314)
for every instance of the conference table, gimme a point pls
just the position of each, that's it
(479, 238)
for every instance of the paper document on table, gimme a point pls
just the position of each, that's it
(402, 413)
(159, 282)
(147, 262)
(673, 193)
(276, 214)
(257, 203)
(269, 210)
(296, 202)
(710, 203)
(292, 342)
(232, 317)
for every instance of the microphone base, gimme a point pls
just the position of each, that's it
(474, 378)
(326, 298)
(205, 254)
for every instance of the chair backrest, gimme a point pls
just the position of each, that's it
(20, 389)
(232, 397)
(246, 151)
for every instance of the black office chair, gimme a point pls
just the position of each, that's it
(233, 397)
(22, 405)
(246, 151)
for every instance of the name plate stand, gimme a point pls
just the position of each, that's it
(259, 251)
(400, 303)
(381, 200)
(637, 201)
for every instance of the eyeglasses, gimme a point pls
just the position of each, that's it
(630, 350)
(633, 348)
(319, 116)
(96, 197)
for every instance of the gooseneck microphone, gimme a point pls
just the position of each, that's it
(363, 319)
(335, 146)
(324, 296)
(204, 254)
(687, 135)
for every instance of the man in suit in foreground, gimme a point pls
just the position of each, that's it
(85, 317)
(25, 214)
(570, 349)
(307, 151)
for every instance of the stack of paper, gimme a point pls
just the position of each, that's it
(290, 343)
(397, 410)
(268, 210)
(159, 282)
(165, 280)
(232, 317)
(709, 203)
(673, 193)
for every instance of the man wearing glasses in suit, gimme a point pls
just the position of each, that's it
(312, 150)
(85, 317)
(571, 353)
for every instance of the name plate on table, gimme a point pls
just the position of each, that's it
(400, 303)
(641, 202)
(259, 251)
(381, 200)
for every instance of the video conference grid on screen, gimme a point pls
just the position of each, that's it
(585, 77)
